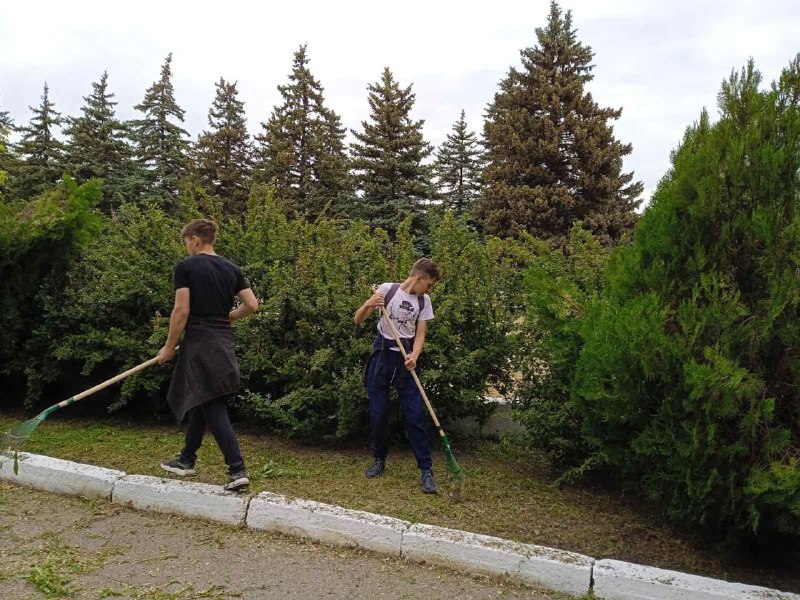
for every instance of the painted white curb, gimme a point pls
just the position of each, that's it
(617, 580)
(60, 476)
(554, 569)
(181, 497)
(326, 523)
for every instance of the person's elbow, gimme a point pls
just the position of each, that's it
(180, 312)
(251, 304)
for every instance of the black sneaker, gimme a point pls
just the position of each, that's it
(377, 468)
(177, 466)
(428, 484)
(236, 481)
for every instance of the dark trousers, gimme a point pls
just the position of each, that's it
(386, 369)
(214, 415)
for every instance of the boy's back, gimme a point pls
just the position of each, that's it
(213, 282)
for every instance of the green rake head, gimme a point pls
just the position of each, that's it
(457, 478)
(16, 437)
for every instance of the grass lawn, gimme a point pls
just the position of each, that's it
(508, 493)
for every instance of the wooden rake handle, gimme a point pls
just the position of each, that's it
(413, 371)
(108, 382)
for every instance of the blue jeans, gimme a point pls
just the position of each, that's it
(386, 369)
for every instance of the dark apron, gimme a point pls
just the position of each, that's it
(206, 367)
(379, 347)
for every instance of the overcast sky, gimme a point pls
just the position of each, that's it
(661, 61)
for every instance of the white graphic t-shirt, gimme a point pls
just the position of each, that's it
(403, 309)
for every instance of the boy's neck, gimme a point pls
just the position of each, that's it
(408, 285)
(206, 250)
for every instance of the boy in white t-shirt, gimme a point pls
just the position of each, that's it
(409, 307)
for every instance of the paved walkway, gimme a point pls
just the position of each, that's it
(52, 546)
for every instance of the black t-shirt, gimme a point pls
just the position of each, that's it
(213, 281)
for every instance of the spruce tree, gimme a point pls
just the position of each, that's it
(223, 154)
(458, 168)
(301, 150)
(98, 146)
(552, 155)
(40, 152)
(6, 158)
(161, 143)
(387, 157)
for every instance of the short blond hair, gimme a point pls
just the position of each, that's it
(425, 266)
(205, 229)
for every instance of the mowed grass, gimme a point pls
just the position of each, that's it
(509, 493)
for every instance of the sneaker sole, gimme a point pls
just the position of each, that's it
(237, 484)
(177, 471)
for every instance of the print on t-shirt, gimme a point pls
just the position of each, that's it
(405, 313)
(403, 309)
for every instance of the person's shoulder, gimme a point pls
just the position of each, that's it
(227, 261)
(385, 286)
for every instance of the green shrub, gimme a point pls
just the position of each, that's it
(687, 382)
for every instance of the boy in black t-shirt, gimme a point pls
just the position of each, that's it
(207, 372)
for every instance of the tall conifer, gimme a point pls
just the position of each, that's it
(161, 142)
(458, 168)
(224, 153)
(301, 150)
(552, 155)
(40, 152)
(98, 145)
(388, 155)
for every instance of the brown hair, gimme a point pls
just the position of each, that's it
(425, 266)
(205, 229)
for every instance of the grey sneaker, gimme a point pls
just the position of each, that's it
(177, 466)
(428, 483)
(236, 482)
(377, 468)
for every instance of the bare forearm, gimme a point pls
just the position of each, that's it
(240, 312)
(362, 313)
(419, 341)
(177, 323)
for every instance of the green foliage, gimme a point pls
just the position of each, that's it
(37, 240)
(552, 158)
(387, 158)
(40, 152)
(161, 144)
(458, 168)
(224, 154)
(560, 287)
(98, 145)
(686, 382)
(301, 355)
(301, 151)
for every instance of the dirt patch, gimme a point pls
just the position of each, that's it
(53, 546)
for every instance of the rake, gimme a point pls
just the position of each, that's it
(16, 437)
(455, 470)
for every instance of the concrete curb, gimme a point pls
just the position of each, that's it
(546, 567)
(181, 497)
(617, 580)
(60, 476)
(326, 523)
(554, 569)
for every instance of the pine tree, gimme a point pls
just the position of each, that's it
(161, 144)
(6, 158)
(301, 150)
(458, 168)
(224, 154)
(40, 152)
(98, 145)
(387, 157)
(552, 156)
